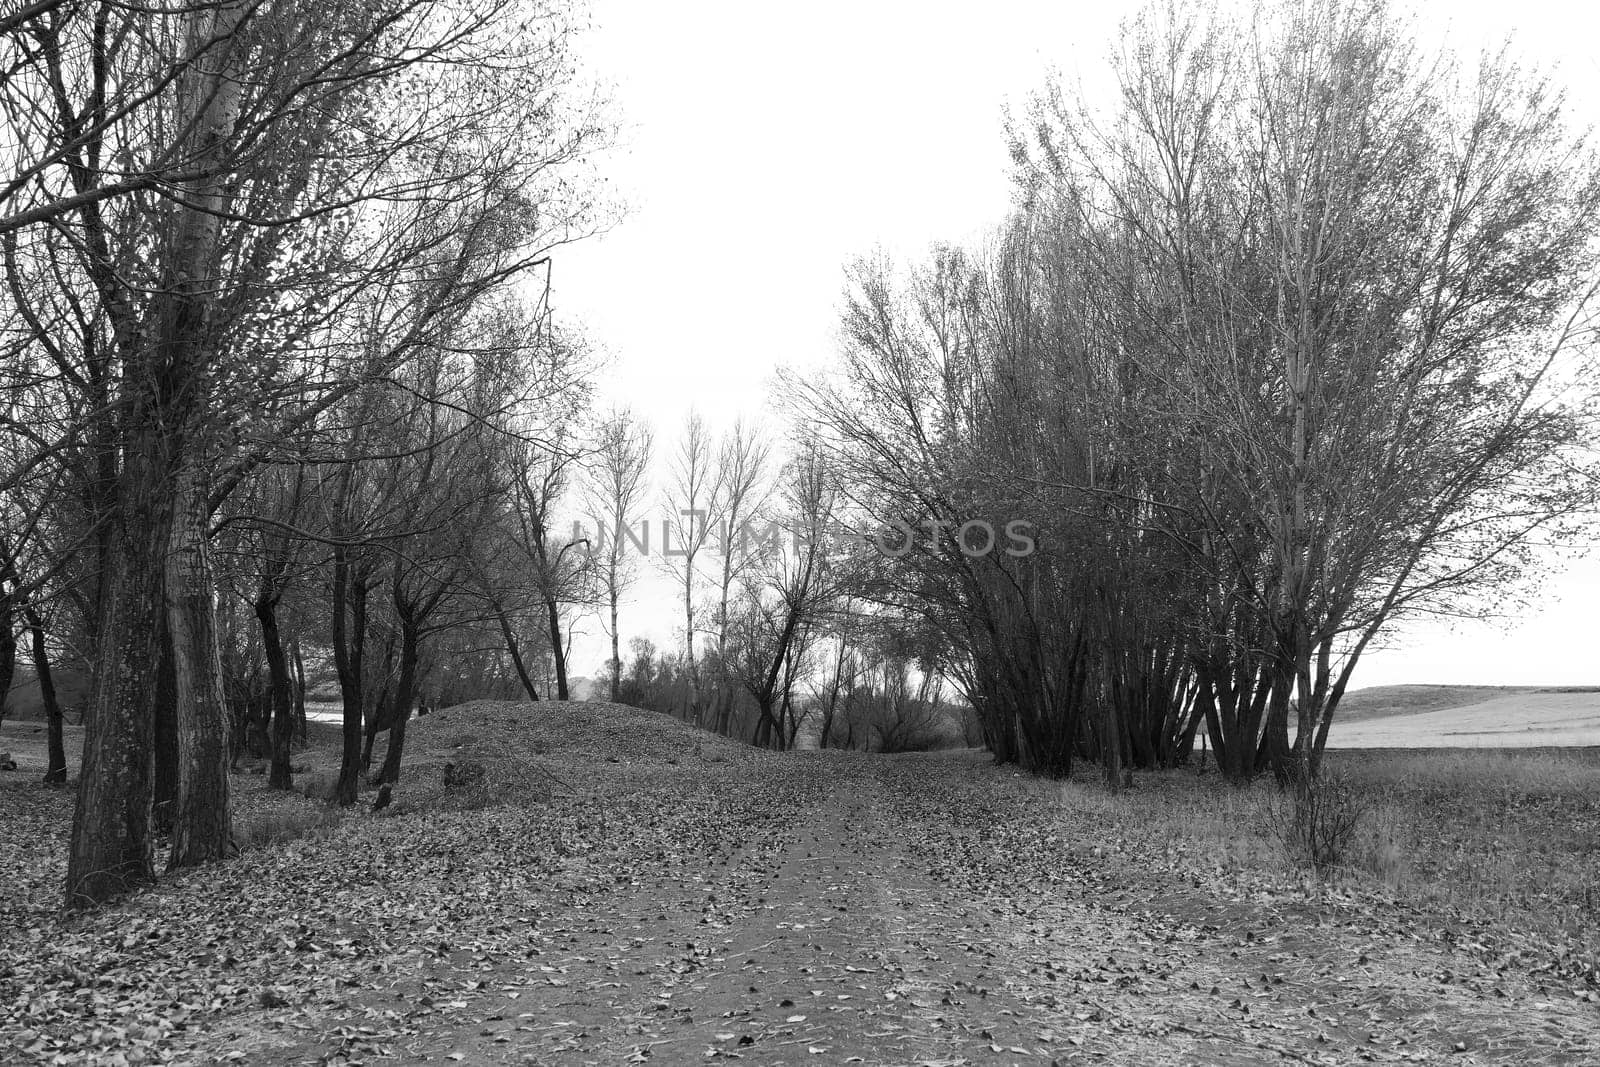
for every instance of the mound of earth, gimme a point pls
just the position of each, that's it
(490, 751)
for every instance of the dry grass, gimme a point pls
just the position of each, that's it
(1509, 836)
(280, 826)
(1511, 833)
(1319, 820)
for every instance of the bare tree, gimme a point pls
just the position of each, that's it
(798, 579)
(560, 568)
(618, 482)
(694, 495)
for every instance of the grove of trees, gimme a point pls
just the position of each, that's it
(1291, 341)
(273, 324)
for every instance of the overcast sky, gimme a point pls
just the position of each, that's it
(765, 145)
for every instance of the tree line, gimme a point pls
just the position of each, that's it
(274, 327)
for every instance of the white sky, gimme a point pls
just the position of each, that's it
(765, 145)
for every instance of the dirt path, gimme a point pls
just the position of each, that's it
(892, 923)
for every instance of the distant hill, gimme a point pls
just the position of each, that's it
(1467, 716)
(1381, 701)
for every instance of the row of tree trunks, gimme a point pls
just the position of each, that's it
(158, 556)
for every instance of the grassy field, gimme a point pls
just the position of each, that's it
(1508, 837)
(1384, 701)
(1429, 716)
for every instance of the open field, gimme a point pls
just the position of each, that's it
(1383, 701)
(28, 746)
(1467, 717)
(615, 886)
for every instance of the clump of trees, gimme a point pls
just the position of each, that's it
(1286, 345)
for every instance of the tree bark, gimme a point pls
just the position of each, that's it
(204, 829)
(112, 850)
(165, 810)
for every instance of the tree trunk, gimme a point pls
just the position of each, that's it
(212, 94)
(299, 689)
(8, 640)
(348, 648)
(556, 649)
(377, 712)
(688, 633)
(829, 709)
(254, 712)
(165, 810)
(279, 686)
(204, 829)
(56, 772)
(111, 849)
(516, 656)
(404, 695)
(763, 732)
(616, 648)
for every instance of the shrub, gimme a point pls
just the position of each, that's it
(1318, 822)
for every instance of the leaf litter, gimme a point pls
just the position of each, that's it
(631, 889)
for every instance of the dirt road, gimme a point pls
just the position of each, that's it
(930, 910)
